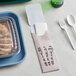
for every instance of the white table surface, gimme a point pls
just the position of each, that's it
(65, 55)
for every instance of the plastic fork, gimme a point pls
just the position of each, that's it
(65, 28)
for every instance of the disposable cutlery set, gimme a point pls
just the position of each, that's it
(39, 32)
(71, 23)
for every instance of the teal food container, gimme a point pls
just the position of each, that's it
(12, 1)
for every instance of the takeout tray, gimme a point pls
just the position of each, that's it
(16, 59)
(12, 1)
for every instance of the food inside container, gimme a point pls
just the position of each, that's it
(9, 40)
(6, 41)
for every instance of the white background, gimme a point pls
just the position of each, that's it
(65, 55)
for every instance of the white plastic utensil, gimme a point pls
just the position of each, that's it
(71, 21)
(34, 15)
(64, 27)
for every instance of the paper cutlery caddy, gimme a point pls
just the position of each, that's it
(45, 51)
